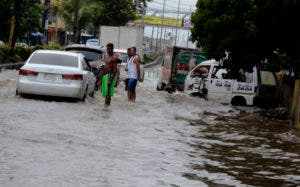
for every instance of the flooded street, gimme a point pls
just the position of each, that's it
(161, 140)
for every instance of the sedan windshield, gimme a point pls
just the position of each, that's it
(93, 56)
(54, 59)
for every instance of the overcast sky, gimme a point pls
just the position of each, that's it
(173, 4)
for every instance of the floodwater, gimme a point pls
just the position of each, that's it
(160, 140)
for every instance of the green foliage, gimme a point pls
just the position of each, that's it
(8, 55)
(29, 17)
(251, 30)
(93, 13)
(20, 54)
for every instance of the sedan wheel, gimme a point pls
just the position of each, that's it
(85, 94)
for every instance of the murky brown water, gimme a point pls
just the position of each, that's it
(252, 149)
(161, 140)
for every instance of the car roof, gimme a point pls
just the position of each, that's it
(209, 62)
(120, 50)
(85, 48)
(92, 40)
(57, 52)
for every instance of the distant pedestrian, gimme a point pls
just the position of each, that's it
(108, 74)
(133, 67)
(126, 69)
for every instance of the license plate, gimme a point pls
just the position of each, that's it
(50, 76)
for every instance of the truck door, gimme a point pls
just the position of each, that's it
(245, 84)
(219, 86)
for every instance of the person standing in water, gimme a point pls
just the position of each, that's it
(108, 74)
(126, 69)
(133, 66)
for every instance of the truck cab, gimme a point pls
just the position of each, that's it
(177, 63)
(249, 88)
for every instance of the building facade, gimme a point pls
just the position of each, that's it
(54, 26)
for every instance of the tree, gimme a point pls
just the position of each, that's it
(28, 17)
(5, 15)
(87, 12)
(93, 13)
(251, 30)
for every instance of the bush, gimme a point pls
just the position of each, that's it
(21, 54)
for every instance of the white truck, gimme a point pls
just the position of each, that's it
(210, 78)
(123, 38)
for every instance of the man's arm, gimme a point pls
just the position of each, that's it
(137, 63)
(115, 69)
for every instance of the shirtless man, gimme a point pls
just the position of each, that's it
(108, 74)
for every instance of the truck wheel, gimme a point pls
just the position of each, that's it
(238, 101)
(93, 93)
(162, 87)
(157, 88)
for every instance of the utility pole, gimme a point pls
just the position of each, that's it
(151, 42)
(75, 28)
(187, 39)
(177, 22)
(156, 42)
(162, 23)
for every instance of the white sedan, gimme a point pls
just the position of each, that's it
(56, 73)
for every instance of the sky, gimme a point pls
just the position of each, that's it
(185, 5)
(173, 4)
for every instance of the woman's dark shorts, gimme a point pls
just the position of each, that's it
(131, 85)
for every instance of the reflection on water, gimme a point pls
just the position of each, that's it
(247, 148)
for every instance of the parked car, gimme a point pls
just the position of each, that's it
(2, 43)
(250, 88)
(123, 57)
(92, 42)
(21, 44)
(56, 73)
(94, 55)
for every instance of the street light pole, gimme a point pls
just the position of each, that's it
(162, 23)
(177, 22)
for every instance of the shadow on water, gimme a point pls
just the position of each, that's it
(247, 148)
(49, 98)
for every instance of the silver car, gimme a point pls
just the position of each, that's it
(56, 73)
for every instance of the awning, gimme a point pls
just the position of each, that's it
(37, 35)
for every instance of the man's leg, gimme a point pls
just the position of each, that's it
(133, 90)
(107, 100)
(133, 97)
(128, 95)
(129, 88)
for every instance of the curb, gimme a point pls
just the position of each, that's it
(17, 65)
